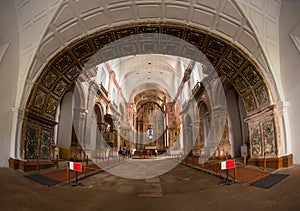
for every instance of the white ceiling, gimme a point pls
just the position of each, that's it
(145, 70)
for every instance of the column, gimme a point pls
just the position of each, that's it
(79, 120)
(16, 130)
(281, 129)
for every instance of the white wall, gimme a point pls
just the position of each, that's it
(65, 121)
(8, 75)
(234, 123)
(290, 71)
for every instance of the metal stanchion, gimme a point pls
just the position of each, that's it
(265, 161)
(37, 164)
(86, 164)
(56, 161)
(68, 173)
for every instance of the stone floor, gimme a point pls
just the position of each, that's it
(182, 188)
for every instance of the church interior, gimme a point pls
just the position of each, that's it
(102, 79)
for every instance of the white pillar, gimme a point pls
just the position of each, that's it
(15, 143)
(283, 124)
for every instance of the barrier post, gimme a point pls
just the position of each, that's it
(37, 164)
(265, 161)
(86, 164)
(235, 174)
(245, 160)
(68, 172)
(56, 161)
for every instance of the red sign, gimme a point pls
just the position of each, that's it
(76, 166)
(228, 164)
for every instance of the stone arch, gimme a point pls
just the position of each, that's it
(61, 72)
(188, 134)
(101, 126)
(204, 112)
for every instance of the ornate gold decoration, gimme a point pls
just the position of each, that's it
(213, 59)
(45, 144)
(269, 137)
(125, 33)
(235, 58)
(82, 50)
(227, 70)
(256, 141)
(249, 103)
(251, 75)
(102, 40)
(63, 63)
(52, 105)
(73, 73)
(262, 95)
(240, 84)
(175, 32)
(216, 46)
(40, 99)
(195, 38)
(49, 79)
(60, 88)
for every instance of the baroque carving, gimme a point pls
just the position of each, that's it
(213, 59)
(269, 137)
(240, 84)
(52, 105)
(31, 143)
(176, 32)
(73, 73)
(60, 88)
(251, 75)
(125, 34)
(102, 40)
(45, 144)
(40, 99)
(49, 79)
(63, 63)
(235, 58)
(216, 46)
(82, 50)
(227, 70)
(249, 102)
(195, 38)
(256, 141)
(262, 95)
(148, 29)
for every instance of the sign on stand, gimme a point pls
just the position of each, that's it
(226, 165)
(77, 167)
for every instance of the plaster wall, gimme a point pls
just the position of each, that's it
(9, 60)
(290, 72)
(65, 122)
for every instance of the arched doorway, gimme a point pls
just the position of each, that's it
(228, 60)
(188, 135)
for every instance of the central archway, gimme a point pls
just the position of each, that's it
(60, 73)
